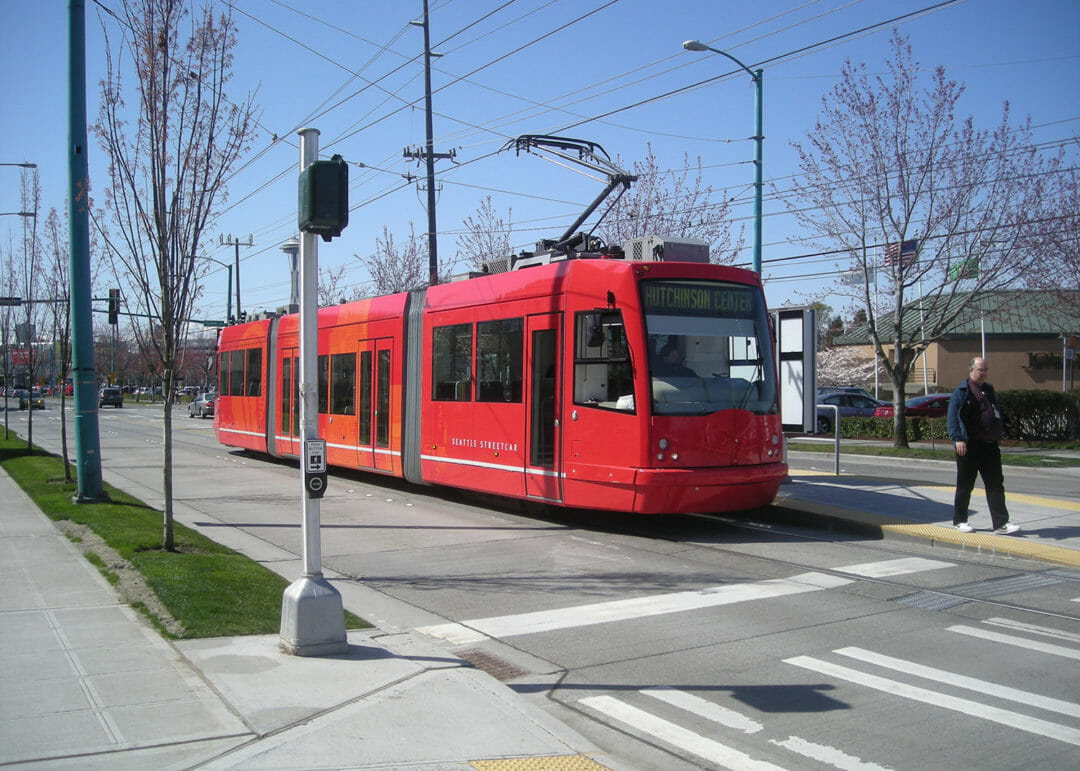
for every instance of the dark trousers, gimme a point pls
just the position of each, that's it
(982, 459)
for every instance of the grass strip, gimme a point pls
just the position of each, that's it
(1008, 458)
(206, 589)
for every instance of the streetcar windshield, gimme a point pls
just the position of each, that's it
(709, 348)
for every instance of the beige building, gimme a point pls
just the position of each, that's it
(1024, 337)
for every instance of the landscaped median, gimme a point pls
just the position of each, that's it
(202, 589)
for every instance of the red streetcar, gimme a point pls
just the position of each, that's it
(590, 380)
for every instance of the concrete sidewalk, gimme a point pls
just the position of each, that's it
(85, 682)
(1050, 526)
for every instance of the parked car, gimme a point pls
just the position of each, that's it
(202, 405)
(848, 389)
(850, 405)
(930, 406)
(112, 396)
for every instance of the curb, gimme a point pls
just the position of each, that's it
(880, 525)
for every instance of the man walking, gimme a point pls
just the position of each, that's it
(974, 424)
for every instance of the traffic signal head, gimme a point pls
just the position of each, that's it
(114, 305)
(324, 198)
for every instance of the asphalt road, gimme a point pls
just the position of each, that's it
(682, 642)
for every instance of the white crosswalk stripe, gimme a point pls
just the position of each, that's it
(709, 747)
(675, 735)
(476, 630)
(1019, 642)
(926, 696)
(962, 681)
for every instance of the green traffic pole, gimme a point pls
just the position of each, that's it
(84, 390)
(759, 140)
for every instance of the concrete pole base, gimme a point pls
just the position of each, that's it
(312, 619)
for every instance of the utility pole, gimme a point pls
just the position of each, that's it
(428, 154)
(237, 243)
(84, 391)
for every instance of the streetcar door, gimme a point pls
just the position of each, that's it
(374, 405)
(365, 443)
(542, 431)
(288, 428)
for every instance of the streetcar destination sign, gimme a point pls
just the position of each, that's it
(697, 299)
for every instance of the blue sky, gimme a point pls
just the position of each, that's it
(534, 66)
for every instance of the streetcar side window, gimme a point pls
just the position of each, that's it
(451, 363)
(254, 371)
(342, 383)
(324, 385)
(236, 373)
(602, 373)
(498, 360)
(223, 373)
(286, 393)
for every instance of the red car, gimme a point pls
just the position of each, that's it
(931, 406)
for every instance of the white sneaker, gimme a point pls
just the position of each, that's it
(1008, 529)
(964, 527)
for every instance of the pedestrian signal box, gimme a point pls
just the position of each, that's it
(315, 467)
(324, 198)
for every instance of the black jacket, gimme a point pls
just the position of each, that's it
(964, 415)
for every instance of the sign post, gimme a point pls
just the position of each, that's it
(312, 616)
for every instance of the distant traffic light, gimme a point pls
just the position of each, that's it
(114, 305)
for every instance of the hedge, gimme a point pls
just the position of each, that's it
(1030, 416)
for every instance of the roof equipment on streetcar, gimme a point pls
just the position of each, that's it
(575, 245)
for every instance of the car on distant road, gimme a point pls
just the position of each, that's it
(37, 399)
(850, 405)
(22, 395)
(929, 406)
(112, 396)
(202, 405)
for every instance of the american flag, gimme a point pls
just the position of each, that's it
(903, 251)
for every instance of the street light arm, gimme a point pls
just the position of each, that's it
(759, 137)
(697, 45)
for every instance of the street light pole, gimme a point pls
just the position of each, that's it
(228, 287)
(759, 137)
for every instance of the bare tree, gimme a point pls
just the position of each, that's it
(671, 203)
(55, 275)
(31, 286)
(946, 214)
(399, 267)
(332, 287)
(8, 320)
(165, 178)
(487, 235)
(1059, 245)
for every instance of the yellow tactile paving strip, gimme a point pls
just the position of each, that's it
(551, 763)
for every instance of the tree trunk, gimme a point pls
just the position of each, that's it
(167, 542)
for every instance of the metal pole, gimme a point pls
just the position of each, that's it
(312, 616)
(429, 156)
(228, 295)
(84, 390)
(759, 140)
(309, 270)
(236, 243)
